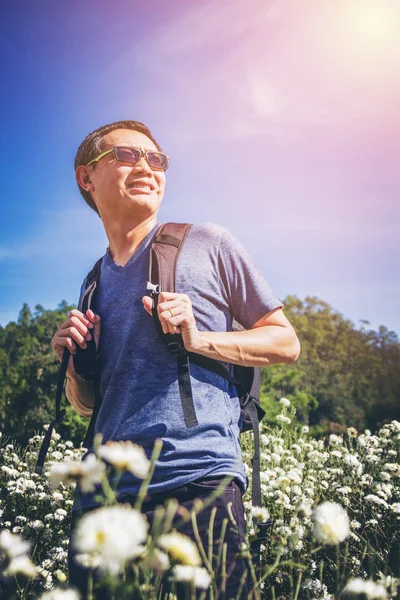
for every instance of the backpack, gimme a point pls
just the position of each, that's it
(166, 245)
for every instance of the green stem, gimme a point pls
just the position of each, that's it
(346, 553)
(172, 507)
(242, 582)
(321, 570)
(211, 535)
(337, 571)
(192, 591)
(291, 579)
(221, 541)
(223, 569)
(200, 543)
(109, 493)
(145, 483)
(296, 594)
(271, 569)
(90, 585)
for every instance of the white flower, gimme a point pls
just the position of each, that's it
(15, 548)
(336, 454)
(61, 594)
(57, 455)
(335, 440)
(21, 564)
(304, 510)
(180, 548)
(275, 457)
(283, 419)
(60, 514)
(12, 545)
(260, 513)
(352, 432)
(108, 536)
(331, 523)
(305, 429)
(344, 490)
(197, 575)
(368, 589)
(126, 456)
(284, 402)
(352, 461)
(394, 467)
(61, 576)
(89, 472)
(376, 500)
(160, 561)
(37, 524)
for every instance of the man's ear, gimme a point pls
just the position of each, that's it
(82, 175)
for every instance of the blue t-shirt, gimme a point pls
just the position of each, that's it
(138, 376)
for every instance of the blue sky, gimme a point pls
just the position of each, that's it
(281, 120)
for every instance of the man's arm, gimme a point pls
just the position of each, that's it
(271, 340)
(77, 330)
(80, 394)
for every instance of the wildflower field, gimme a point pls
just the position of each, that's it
(332, 508)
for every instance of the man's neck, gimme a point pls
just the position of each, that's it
(125, 237)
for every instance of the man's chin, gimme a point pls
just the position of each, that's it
(150, 202)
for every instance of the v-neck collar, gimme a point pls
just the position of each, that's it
(109, 261)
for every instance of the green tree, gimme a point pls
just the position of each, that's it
(29, 369)
(344, 375)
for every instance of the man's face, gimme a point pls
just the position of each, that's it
(120, 187)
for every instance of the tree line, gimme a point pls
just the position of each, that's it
(345, 375)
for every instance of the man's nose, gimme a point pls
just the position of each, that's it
(142, 166)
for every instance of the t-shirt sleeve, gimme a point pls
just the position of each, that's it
(248, 293)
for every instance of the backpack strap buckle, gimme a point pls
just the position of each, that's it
(245, 400)
(154, 289)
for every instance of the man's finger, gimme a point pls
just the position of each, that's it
(80, 316)
(93, 319)
(168, 296)
(148, 304)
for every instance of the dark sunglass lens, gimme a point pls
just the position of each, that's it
(157, 160)
(129, 155)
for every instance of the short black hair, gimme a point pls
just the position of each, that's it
(92, 147)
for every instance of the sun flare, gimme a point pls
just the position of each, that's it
(372, 24)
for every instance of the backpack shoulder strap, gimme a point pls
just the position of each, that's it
(166, 246)
(164, 252)
(165, 249)
(91, 282)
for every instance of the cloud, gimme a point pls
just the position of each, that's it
(203, 28)
(207, 69)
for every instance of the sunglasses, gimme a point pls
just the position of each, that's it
(131, 155)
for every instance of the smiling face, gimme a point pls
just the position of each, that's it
(119, 188)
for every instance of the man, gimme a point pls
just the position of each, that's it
(216, 282)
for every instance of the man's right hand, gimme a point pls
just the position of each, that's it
(77, 329)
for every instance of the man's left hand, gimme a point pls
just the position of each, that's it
(176, 316)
